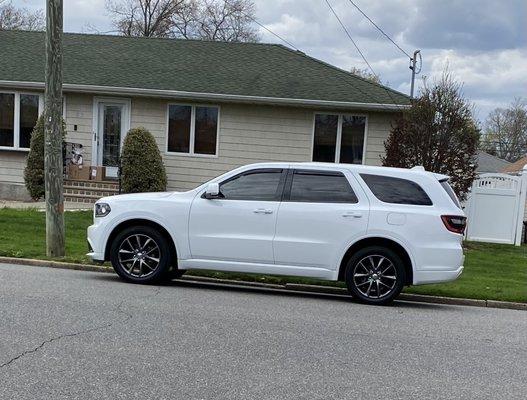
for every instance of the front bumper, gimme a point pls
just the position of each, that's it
(96, 241)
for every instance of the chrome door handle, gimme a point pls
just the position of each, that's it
(262, 211)
(352, 214)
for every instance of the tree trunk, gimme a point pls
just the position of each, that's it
(53, 172)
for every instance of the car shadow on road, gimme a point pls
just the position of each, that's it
(180, 283)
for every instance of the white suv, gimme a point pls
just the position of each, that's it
(375, 228)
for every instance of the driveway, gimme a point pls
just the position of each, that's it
(71, 334)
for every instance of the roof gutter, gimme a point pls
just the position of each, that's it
(128, 91)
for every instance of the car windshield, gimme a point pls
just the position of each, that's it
(445, 185)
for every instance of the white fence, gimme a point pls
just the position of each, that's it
(495, 209)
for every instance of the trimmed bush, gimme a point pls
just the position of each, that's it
(142, 168)
(34, 171)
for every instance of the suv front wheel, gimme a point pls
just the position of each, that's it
(375, 275)
(140, 254)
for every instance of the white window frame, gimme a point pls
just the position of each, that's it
(191, 152)
(339, 133)
(16, 125)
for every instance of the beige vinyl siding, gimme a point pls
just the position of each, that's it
(379, 125)
(12, 164)
(79, 111)
(247, 134)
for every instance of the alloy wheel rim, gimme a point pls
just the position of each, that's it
(139, 255)
(375, 276)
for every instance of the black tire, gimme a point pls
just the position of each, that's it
(154, 247)
(370, 272)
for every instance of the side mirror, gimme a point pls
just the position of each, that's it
(212, 191)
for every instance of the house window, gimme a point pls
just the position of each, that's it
(339, 138)
(192, 129)
(18, 115)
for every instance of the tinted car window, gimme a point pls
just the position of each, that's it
(396, 190)
(450, 192)
(321, 188)
(262, 185)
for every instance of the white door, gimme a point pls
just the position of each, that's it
(111, 127)
(239, 226)
(320, 215)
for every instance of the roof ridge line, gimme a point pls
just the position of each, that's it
(175, 39)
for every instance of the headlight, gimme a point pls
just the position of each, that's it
(102, 209)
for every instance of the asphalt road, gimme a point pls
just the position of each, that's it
(85, 335)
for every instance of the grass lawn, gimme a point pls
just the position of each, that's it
(492, 271)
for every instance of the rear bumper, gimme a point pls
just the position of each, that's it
(423, 277)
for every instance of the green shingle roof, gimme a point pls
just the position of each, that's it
(243, 69)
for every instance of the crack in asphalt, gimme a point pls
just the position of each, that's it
(118, 309)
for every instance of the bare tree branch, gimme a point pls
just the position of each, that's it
(13, 18)
(506, 131)
(191, 19)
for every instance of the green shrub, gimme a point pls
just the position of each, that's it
(142, 168)
(34, 171)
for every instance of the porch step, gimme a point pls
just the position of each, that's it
(81, 191)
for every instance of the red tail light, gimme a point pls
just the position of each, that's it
(455, 223)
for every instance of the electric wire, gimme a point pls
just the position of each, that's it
(380, 29)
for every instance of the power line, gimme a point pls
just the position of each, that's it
(350, 38)
(380, 30)
(359, 50)
(264, 27)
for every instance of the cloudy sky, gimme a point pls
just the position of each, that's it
(483, 42)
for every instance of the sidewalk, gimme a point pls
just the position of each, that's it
(40, 205)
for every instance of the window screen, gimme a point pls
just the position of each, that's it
(396, 190)
(325, 140)
(179, 128)
(28, 117)
(7, 119)
(262, 186)
(206, 129)
(321, 187)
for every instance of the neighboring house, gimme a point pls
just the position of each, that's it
(516, 167)
(211, 106)
(488, 163)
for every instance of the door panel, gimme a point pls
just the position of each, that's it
(316, 233)
(240, 226)
(233, 230)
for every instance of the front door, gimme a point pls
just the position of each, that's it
(111, 130)
(239, 226)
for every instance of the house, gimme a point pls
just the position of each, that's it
(211, 106)
(487, 163)
(516, 167)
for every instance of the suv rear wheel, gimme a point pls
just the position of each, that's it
(375, 275)
(140, 254)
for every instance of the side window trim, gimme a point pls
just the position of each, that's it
(289, 181)
(279, 191)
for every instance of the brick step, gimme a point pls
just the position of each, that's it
(93, 189)
(81, 198)
(94, 193)
(91, 184)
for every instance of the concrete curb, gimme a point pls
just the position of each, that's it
(417, 298)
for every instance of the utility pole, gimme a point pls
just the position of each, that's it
(413, 63)
(53, 172)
